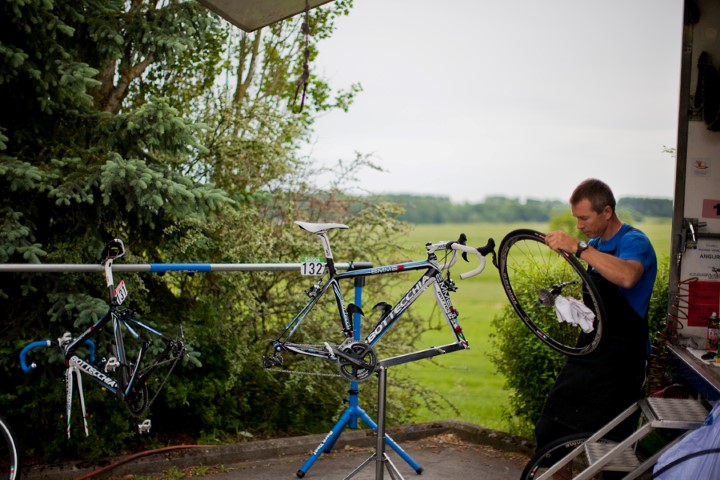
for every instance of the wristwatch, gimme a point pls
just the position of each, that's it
(581, 247)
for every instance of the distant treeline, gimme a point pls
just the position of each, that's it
(421, 209)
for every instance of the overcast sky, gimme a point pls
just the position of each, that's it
(523, 98)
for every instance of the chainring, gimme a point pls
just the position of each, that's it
(360, 352)
(138, 401)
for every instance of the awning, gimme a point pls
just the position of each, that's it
(251, 15)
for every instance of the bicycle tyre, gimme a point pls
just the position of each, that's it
(554, 452)
(9, 455)
(533, 275)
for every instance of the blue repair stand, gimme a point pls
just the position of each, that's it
(353, 412)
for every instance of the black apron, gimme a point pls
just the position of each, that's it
(593, 389)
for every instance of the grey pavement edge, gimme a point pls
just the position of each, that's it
(445, 450)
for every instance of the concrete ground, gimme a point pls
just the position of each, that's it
(443, 451)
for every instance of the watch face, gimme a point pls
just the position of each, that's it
(582, 246)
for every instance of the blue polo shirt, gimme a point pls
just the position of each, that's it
(629, 243)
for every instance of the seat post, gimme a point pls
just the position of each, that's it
(328, 252)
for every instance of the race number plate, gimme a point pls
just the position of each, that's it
(312, 266)
(121, 292)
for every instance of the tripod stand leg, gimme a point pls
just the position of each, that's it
(327, 442)
(392, 469)
(391, 443)
(360, 467)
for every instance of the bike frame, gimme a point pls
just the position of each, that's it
(432, 276)
(115, 314)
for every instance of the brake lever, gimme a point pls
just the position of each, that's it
(489, 248)
(463, 241)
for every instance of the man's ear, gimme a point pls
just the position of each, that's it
(607, 212)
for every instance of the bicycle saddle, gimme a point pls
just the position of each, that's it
(319, 227)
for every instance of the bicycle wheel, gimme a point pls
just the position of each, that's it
(9, 457)
(555, 451)
(534, 277)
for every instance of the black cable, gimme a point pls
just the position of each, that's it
(684, 458)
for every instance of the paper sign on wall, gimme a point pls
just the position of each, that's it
(703, 263)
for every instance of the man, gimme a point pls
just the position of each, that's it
(593, 389)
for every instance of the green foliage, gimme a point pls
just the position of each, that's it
(567, 223)
(424, 209)
(160, 124)
(530, 367)
(652, 207)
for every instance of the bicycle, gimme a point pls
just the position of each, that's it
(9, 456)
(126, 378)
(537, 280)
(357, 360)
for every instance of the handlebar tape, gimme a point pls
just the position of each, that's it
(28, 347)
(46, 343)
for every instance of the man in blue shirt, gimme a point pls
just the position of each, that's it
(592, 390)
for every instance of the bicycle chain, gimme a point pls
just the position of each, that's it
(165, 379)
(296, 372)
(159, 389)
(316, 374)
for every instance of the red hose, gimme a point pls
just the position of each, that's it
(136, 456)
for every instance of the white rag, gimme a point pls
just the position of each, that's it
(575, 312)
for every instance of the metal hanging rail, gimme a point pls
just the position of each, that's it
(166, 267)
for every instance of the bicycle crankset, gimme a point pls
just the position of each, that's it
(356, 361)
(138, 400)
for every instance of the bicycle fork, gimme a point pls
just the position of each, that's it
(74, 366)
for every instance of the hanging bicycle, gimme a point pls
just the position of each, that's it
(127, 378)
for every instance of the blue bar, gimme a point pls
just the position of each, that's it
(180, 267)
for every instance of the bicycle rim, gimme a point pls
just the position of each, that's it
(533, 276)
(554, 452)
(9, 458)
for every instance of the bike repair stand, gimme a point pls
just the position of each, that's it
(354, 412)
(380, 457)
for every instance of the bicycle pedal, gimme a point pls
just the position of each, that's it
(111, 364)
(144, 427)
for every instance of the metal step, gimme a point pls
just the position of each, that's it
(623, 461)
(675, 413)
(672, 413)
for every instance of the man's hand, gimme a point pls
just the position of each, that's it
(559, 240)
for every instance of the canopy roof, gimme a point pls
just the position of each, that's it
(251, 15)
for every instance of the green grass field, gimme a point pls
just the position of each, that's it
(468, 378)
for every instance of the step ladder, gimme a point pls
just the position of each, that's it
(655, 413)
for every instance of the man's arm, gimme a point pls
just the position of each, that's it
(624, 273)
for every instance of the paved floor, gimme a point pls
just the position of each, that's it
(444, 451)
(443, 457)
